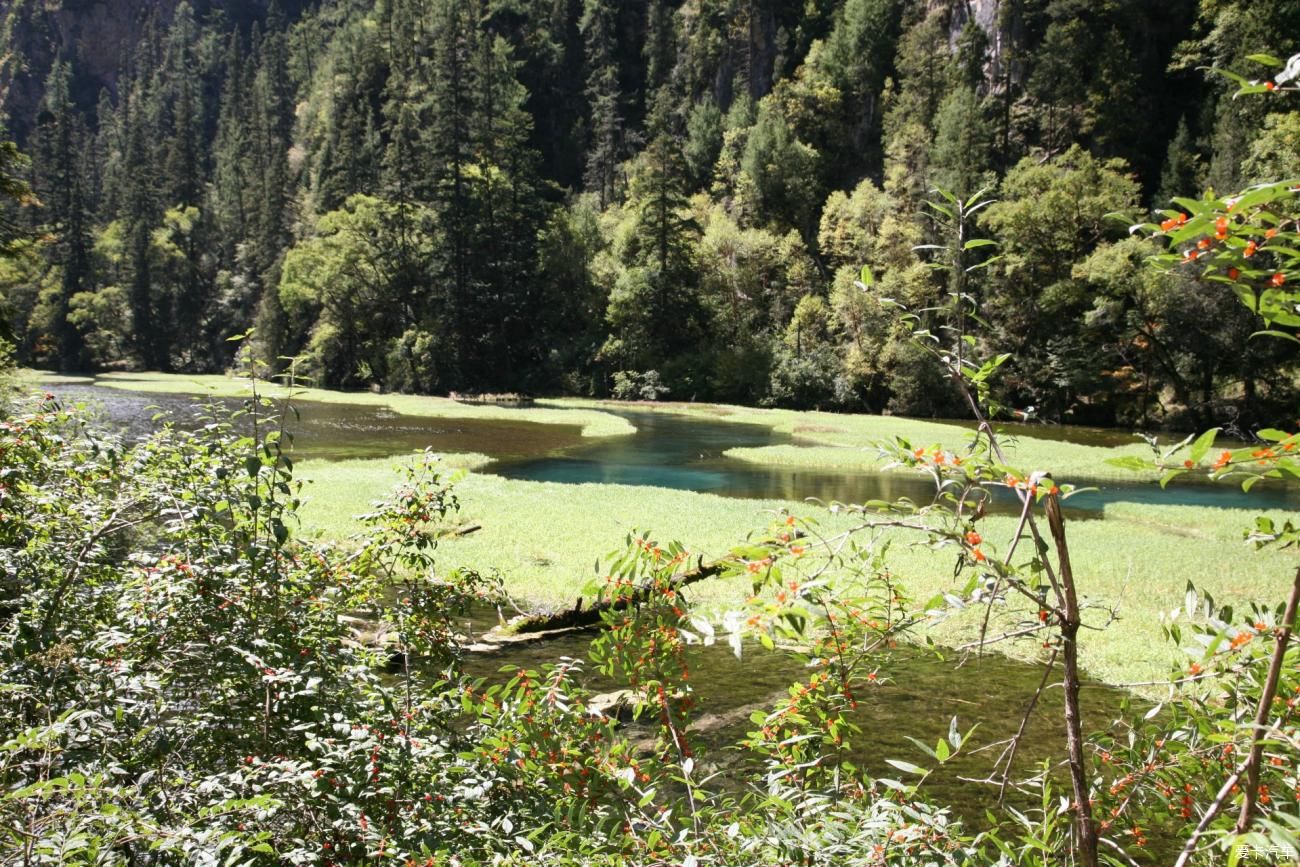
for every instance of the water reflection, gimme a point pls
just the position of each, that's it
(686, 453)
(336, 431)
(667, 451)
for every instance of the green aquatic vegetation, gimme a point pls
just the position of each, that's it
(543, 538)
(593, 422)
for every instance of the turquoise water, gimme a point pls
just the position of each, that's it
(667, 451)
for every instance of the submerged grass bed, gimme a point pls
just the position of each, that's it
(594, 423)
(545, 539)
(834, 441)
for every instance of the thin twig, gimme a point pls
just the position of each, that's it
(1265, 708)
(1216, 805)
(1024, 724)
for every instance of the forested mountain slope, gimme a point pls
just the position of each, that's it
(584, 195)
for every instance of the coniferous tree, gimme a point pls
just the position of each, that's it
(181, 96)
(660, 45)
(14, 190)
(232, 192)
(271, 126)
(857, 57)
(656, 314)
(140, 212)
(507, 208)
(61, 145)
(451, 147)
(604, 98)
(352, 150)
(1183, 171)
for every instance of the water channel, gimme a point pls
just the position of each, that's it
(667, 451)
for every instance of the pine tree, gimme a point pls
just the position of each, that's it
(451, 148)
(182, 98)
(509, 209)
(1182, 173)
(140, 212)
(14, 190)
(61, 146)
(857, 57)
(352, 152)
(963, 138)
(231, 188)
(660, 45)
(604, 100)
(657, 315)
(270, 133)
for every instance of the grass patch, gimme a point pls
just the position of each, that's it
(28, 378)
(594, 423)
(546, 538)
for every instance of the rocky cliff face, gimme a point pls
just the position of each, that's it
(98, 34)
(1002, 29)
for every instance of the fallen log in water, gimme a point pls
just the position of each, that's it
(533, 628)
(579, 617)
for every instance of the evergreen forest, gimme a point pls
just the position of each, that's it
(644, 198)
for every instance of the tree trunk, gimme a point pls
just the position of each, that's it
(577, 616)
(1250, 794)
(1070, 624)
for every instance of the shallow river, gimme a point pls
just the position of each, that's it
(668, 451)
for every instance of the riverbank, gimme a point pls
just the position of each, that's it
(545, 538)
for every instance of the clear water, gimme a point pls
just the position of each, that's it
(667, 451)
(917, 695)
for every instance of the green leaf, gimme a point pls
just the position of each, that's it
(923, 747)
(979, 242)
(1202, 445)
(866, 277)
(1192, 206)
(907, 767)
(1281, 334)
(1265, 59)
(1231, 76)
